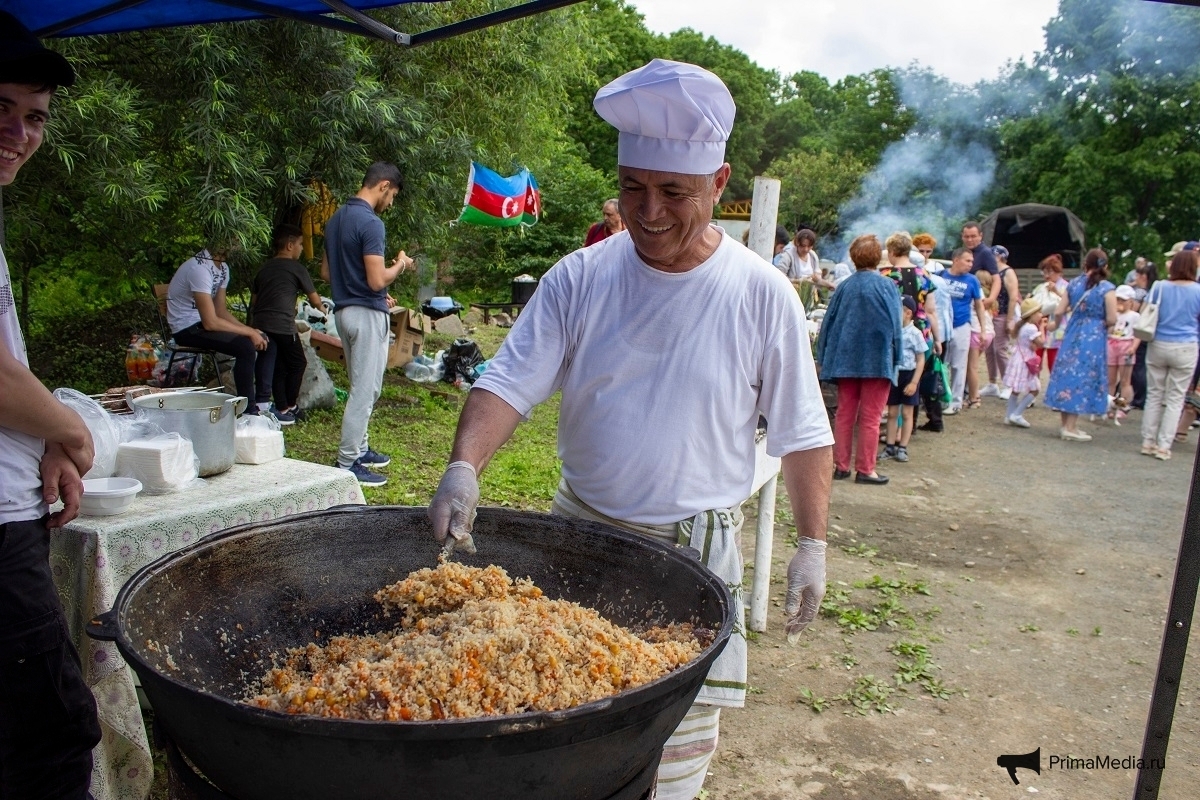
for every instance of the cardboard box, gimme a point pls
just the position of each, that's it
(408, 326)
(327, 347)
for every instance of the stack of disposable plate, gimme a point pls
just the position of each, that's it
(163, 464)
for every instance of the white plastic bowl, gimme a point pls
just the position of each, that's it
(104, 497)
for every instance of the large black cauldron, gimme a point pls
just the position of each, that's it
(198, 624)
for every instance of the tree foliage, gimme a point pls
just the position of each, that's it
(177, 138)
(1117, 136)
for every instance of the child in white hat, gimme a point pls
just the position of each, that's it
(1024, 373)
(1122, 353)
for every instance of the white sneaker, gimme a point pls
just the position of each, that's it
(1018, 421)
(951, 410)
(1075, 436)
(1005, 392)
(991, 390)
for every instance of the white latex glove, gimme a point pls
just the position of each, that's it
(805, 586)
(452, 511)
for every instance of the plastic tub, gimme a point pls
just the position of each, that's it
(105, 497)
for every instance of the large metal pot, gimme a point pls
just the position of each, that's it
(197, 624)
(205, 418)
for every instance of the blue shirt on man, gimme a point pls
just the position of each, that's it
(354, 231)
(985, 259)
(963, 290)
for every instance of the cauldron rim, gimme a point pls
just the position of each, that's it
(494, 725)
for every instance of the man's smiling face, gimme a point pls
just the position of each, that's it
(667, 214)
(24, 111)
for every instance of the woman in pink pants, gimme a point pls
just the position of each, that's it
(859, 348)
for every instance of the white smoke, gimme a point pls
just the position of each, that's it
(923, 183)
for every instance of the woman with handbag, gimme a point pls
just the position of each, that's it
(1171, 355)
(1079, 380)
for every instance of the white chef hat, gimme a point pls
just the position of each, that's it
(672, 117)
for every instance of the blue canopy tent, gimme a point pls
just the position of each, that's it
(86, 17)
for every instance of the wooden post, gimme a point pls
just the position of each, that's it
(763, 218)
(760, 589)
(764, 215)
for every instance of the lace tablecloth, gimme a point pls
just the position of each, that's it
(93, 557)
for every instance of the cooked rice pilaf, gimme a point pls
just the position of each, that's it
(472, 642)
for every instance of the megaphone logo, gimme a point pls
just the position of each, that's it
(1031, 761)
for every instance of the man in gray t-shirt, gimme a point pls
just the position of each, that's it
(353, 264)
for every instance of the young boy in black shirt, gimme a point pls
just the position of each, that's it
(273, 311)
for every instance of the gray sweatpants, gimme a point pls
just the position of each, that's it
(957, 350)
(364, 333)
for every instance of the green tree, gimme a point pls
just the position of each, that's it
(1117, 137)
(814, 186)
(176, 138)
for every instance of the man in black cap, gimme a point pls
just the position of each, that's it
(48, 722)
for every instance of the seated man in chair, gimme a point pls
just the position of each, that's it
(198, 317)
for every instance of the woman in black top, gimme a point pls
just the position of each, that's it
(998, 351)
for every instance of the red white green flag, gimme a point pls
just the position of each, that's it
(500, 202)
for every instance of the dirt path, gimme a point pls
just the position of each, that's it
(1048, 567)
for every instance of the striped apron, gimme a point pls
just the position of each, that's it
(716, 534)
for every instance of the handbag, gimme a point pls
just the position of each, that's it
(1034, 365)
(1147, 323)
(941, 381)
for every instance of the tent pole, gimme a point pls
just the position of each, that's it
(487, 20)
(1174, 649)
(374, 26)
(90, 16)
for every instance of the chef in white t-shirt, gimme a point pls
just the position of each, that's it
(667, 341)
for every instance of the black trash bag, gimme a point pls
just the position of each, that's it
(460, 361)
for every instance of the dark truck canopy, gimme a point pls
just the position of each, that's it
(1032, 231)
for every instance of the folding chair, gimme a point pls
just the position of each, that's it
(178, 351)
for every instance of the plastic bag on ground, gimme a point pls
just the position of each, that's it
(424, 369)
(317, 389)
(461, 360)
(105, 434)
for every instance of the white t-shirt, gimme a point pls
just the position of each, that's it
(663, 376)
(1123, 329)
(20, 453)
(198, 274)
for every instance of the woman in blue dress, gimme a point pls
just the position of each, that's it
(1079, 380)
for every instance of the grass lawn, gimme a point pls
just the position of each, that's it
(414, 423)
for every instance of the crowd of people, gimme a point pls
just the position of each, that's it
(904, 332)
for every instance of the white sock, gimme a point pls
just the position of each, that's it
(1013, 401)
(1026, 401)
(263, 406)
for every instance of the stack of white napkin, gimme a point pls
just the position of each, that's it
(255, 445)
(163, 464)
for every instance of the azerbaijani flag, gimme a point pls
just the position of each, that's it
(500, 202)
